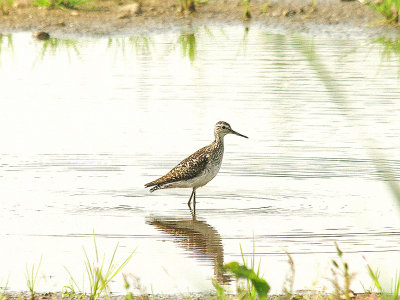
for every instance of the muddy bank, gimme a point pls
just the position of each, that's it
(109, 17)
(207, 296)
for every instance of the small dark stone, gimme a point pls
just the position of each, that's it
(289, 13)
(41, 35)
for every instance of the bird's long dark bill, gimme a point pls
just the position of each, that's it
(237, 133)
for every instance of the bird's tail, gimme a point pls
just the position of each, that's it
(155, 188)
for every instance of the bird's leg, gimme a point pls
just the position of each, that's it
(190, 199)
(194, 203)
(192, 213)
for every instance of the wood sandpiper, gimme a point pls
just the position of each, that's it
(199, 168)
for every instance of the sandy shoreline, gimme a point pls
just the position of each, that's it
(106, 17)
(195, 296)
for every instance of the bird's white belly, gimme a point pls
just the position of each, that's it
(204, 177)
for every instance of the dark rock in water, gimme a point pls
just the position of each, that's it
(41, 35)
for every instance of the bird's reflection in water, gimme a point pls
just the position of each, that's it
(197, 237)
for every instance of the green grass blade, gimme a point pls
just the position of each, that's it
(240, 271)
(220, 290)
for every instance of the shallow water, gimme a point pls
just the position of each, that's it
(86, 122)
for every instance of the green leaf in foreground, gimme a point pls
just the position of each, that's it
(241, 271)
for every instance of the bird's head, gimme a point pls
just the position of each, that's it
(222, 128)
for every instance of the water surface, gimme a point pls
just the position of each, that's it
(86, 122)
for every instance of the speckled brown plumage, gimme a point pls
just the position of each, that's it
(187, 169)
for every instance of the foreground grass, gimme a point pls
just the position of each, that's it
(31, 276)
(187, 5)
(249, 283)
(99, 274)
(310, 296)
(390, 9)
(5, 6)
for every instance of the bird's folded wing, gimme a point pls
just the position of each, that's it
(187, 169)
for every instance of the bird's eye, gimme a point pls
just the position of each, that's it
(223, 127)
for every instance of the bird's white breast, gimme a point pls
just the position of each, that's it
(208, 173)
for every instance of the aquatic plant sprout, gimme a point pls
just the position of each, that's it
(187, 5)
(5, 6)
(390, 9)
(386, 295)
(31, 277)
(246, 8)
(3, 288)
(98, 273)
(69, 4)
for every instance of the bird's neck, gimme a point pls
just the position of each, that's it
(219, 140)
